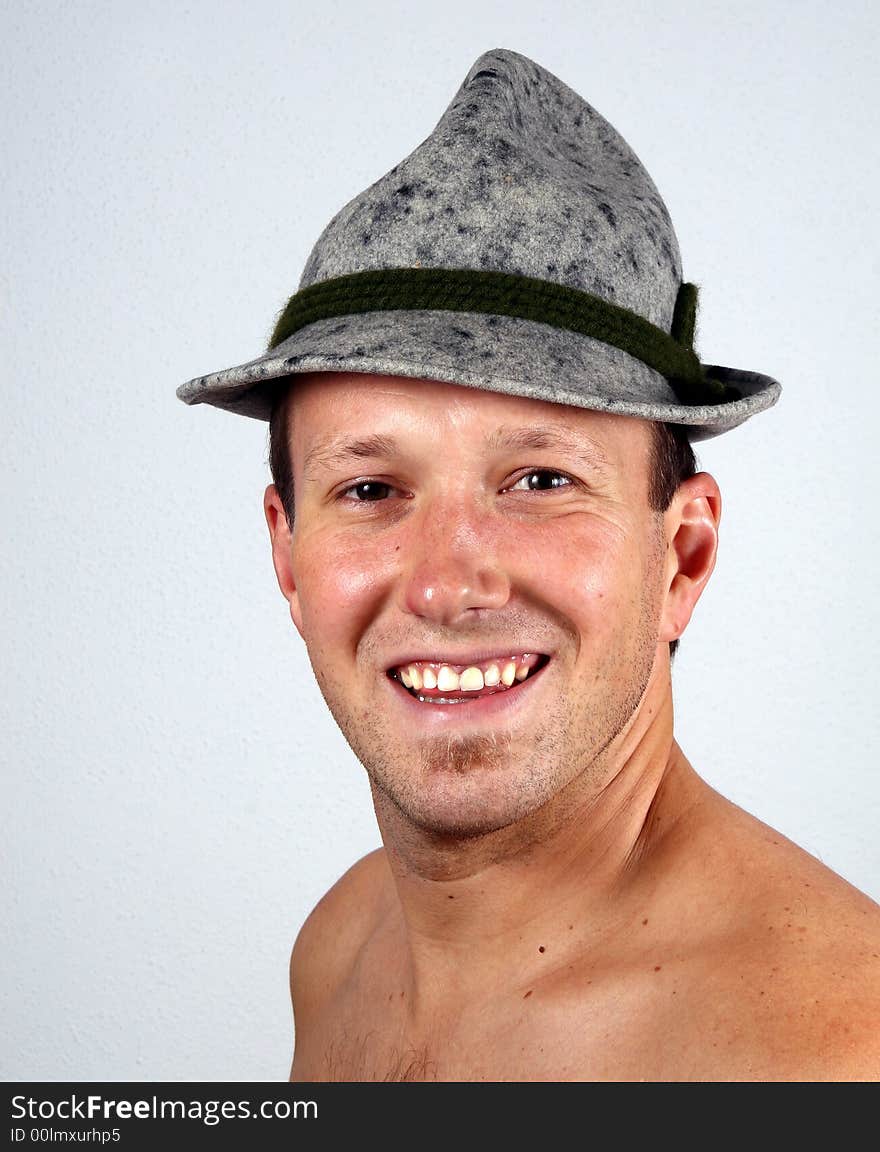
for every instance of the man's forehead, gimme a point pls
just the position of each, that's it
(330, 410)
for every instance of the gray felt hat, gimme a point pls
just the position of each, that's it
(522, 248)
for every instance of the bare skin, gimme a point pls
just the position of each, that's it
(560, 896)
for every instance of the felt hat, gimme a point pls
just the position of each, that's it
(523, 248)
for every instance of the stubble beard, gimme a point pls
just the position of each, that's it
(464, 786)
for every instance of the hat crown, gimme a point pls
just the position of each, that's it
(520, 175)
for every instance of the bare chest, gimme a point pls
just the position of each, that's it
(619, 1030)
(647, 1021)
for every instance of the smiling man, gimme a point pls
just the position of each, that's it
(487, 521)
(481, 582)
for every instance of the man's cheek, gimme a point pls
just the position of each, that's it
(340, 594)
(587, 577)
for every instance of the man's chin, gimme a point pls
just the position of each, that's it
(466, 787)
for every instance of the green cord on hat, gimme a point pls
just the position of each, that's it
(509, 294)
(684, 317)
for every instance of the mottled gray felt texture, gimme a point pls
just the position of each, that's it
(520, 175)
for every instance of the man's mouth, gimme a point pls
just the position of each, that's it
(439, 682)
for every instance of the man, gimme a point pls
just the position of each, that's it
(489, 528)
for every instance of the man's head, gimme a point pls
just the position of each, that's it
(442, 526)
(500, 331)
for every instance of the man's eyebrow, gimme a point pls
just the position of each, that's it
(338, 450)
(549, 436)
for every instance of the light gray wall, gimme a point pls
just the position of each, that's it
(177, 796)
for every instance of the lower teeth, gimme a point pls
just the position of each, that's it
(441, 700)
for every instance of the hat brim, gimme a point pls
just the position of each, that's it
(499, 353)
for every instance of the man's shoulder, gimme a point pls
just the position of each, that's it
(335, 930)
(792, 960)
(826, 947)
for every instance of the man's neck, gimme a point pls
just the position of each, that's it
(496, 910)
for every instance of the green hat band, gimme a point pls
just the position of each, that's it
(509, 294)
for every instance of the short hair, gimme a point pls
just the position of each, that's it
(672, 462)
(280, 462)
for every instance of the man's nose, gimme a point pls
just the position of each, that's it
(454, 566)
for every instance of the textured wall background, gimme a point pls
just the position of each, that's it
(177, 796)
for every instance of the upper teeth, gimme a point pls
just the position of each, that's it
(433, 675)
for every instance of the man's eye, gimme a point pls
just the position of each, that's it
(539, 480)
(368, 490)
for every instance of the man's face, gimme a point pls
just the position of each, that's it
(438, 525)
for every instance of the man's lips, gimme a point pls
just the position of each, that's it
(449, 680)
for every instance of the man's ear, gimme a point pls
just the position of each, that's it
(691, 525)
(282, 552)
